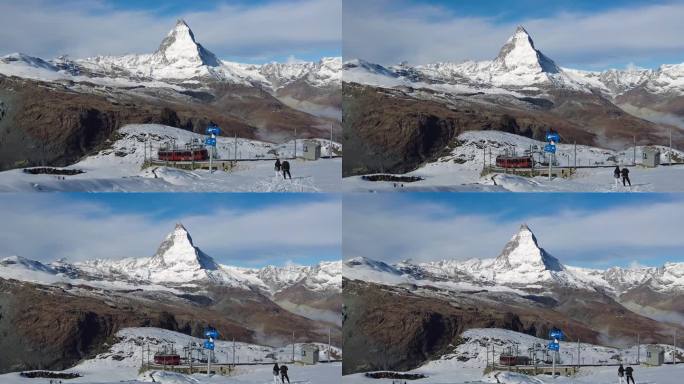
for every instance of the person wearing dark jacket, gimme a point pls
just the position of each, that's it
(286, 169)
(283, 374)
(277, 165)
(625, 177)
(616, 175)
(629, 371)
(621, 375)
(276, 373)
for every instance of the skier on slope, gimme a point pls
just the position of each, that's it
(276, 373)
(616, 175)
(628, 371)
(286, 169)
(625, 177)
(283, 374)
(621, 374)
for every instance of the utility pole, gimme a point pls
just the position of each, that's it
(293, 342)
(330, 150)
(669, 154)
(233, 350)
(295, 143)
(638, 351)
(328, 345)
(634, 155)
(578, 353)
(674, 347)
(142, 356)
(575, 149)
(235, 148)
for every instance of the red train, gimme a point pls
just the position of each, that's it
(513, 360)
(514, 161)
(167, 359)
(195, 154)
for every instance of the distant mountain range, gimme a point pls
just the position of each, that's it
(180, 288)
(56, 111)
(415, 111)
(524, 289)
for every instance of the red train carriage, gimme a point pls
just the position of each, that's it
(514, 161)
(196, 154)
(513, 360)
(167, 359)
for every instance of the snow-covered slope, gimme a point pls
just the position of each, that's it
(522, 264)
(177, 263)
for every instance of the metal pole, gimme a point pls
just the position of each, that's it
(235, 146)
(634, 154)
(638, 350)
(670, 153)
(674, 347)
(578, 354)
(575, 145)
(295, 143)
(330, 149)
(549, 167)
(233, 350)
(328, 345)
(553, 369)
(293, 347)
(208, 362)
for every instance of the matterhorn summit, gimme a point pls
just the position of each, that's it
(520, 62)
(523, 251)
(177, 252)
(179, 49)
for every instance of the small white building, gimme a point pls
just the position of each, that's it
(310, 354)
(311, 150)
(650, 157)
(655, 355)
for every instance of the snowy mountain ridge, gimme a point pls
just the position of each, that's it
(178, 262)
(521, 265)
(178, 59)
(519, 66)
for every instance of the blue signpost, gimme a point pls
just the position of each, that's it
(552, 138)
(210, 141)
(211, 334)
(555, 336)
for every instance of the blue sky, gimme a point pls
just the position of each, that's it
(589, 230)
(236, 30)
(248, 230)
(581, 34)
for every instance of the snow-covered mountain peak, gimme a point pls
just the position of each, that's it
(179, 48)
(177, 252)
(523, 252)
(520, 56)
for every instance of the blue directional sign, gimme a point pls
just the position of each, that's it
(556, 334)
(552, 137)
(550, 148)
(209, 345)
(553, 346)
(210, 141)
(211, 333)
(213, 130)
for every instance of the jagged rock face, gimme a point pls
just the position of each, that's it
(179, 48)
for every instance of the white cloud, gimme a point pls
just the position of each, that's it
(391, 31)
(396, 229)
(81, 28)
(47, 228)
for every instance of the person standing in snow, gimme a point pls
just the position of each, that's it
(283, 374)
(629, 371)
(616, 175)
(621, 374)
(286, 169)
(277, 166)
(276, 373)
(625, 177)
